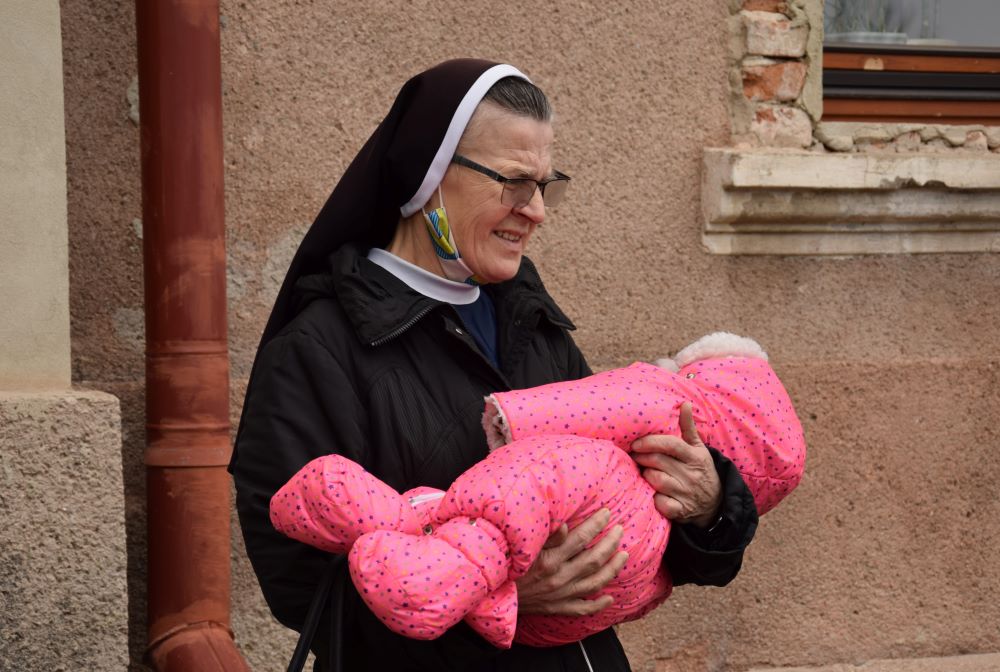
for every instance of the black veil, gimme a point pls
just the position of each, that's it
(393, 175)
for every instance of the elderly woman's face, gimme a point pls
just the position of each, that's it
(491, 236)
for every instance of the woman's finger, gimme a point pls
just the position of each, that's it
(575, 577)
(688, 429)
(560, 559)
(587, 607)
(589, 585)
(664, 482)
(575, 606)
(560, 574)
(658, 461)
(583, 534)
(668, 507)
(664, 444)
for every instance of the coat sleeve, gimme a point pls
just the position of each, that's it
(694, 555)
(300, 405)
(713, 557)
(576, 365)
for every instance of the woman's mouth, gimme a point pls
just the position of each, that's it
(509, 237)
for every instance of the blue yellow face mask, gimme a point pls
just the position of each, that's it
(446, 247)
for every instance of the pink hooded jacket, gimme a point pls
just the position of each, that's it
(424, 560)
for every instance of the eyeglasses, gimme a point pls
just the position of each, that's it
(518, 191)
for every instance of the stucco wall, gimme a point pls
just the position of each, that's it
(63, 599)
(892, 360)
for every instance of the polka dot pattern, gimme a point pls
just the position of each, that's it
(458, 555)
(332, 501)
(425, 560)
(421, 585)
(739, 405)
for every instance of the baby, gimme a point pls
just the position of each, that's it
(426, 559)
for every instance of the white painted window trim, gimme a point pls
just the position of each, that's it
(797, 202)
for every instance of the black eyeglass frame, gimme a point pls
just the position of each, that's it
(539, 184)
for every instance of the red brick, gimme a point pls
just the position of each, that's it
(778, 81)
(770, 34)
(765, 114)
(766, 6)
(782, 127)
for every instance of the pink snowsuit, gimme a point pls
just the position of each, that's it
(424, 560)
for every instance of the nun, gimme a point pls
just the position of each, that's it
(408, 301)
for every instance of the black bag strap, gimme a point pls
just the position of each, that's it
(319, 601)
(336, 639)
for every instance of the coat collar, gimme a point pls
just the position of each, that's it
(377, 303)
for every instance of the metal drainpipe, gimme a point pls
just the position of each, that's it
(187, 360)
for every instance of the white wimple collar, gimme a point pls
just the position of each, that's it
(423, 281)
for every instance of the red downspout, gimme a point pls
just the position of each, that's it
(187, 360)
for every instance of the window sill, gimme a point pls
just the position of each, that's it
(793, 202)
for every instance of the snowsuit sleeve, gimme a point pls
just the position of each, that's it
(739, 405)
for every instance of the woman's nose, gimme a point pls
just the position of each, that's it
(534, 209)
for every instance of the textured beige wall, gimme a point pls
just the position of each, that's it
(887, 550)
(34, 334)
(63, 602)
(892, 360)
(973, 662)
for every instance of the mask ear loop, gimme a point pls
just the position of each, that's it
(440, 199)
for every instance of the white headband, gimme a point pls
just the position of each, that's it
(435, 173)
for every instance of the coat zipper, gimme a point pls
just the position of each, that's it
(419, 499)
(428, 497)
(399, 330)
(465, 338)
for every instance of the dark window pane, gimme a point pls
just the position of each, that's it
(932, 23)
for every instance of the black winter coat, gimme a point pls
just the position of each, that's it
(389, 378)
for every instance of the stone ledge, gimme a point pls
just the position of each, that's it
(773, 201)
(64, 603)
(986, 662)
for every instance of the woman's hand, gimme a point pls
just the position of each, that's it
(682, 473)
(566, 571)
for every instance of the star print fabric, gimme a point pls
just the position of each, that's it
(457, 556)
(425, 560)
(740, 408)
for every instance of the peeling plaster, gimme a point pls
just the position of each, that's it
(129, 325)
(845, 136)
(811, 99)
(132, 96)
(279, 257)
(240, 269)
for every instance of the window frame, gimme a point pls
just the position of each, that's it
(911, 84)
